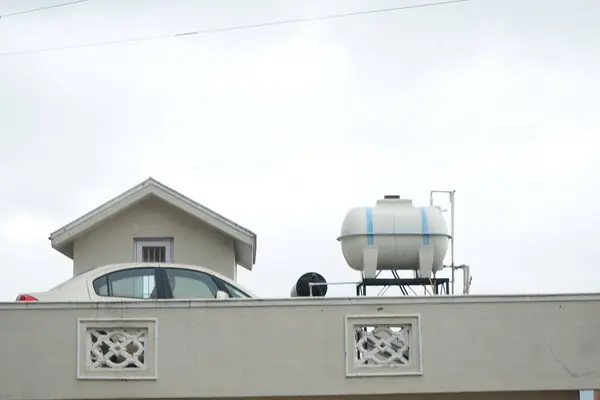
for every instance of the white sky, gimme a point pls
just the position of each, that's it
(283, 129)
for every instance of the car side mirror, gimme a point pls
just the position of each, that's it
(221, 295)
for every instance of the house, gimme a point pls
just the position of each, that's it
(154, 223)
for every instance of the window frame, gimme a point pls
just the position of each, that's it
(140, 243)
(158, 282)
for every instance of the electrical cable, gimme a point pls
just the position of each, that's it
(233, 28)
(41, 8)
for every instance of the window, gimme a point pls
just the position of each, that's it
(233, 291)
(151, 250)
(136, 283)
(188, 284)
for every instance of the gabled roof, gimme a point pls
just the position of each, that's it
(245, 240)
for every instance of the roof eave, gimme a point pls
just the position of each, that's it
(106, 206)
(65, 248)
(247, 258)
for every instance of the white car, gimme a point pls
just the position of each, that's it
(143, 281)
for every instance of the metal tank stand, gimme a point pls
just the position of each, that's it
(437, 285)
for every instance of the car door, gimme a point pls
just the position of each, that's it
(183, 283)
(141, 283)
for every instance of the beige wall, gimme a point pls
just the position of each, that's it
(194, 242)
(293, 347)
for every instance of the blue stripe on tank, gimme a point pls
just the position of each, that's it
(370, 227)
(424, 226)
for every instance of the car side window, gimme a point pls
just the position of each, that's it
(189, 284)
(234, 292)
(135, 283)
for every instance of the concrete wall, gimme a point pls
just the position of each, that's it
(298, 347)
(193, 241)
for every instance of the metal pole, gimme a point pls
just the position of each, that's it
(452, 234)
(451, 195)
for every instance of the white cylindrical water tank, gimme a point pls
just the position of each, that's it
(395, 235)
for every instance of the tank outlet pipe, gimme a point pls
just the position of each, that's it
(466, 270)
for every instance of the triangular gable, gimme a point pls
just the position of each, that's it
(245, 240)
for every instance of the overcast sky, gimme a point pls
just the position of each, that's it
(284, 128)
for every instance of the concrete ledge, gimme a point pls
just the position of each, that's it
(311, 302)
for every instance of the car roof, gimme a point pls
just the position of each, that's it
(105, 269)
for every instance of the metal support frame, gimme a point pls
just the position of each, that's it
(438, 285)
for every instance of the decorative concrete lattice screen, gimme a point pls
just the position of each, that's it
(383, 345)
(123, 349)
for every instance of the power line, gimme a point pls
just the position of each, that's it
(42, 8)
(233, 28)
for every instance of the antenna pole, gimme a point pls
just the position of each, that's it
(451, 195)
(452, 233)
